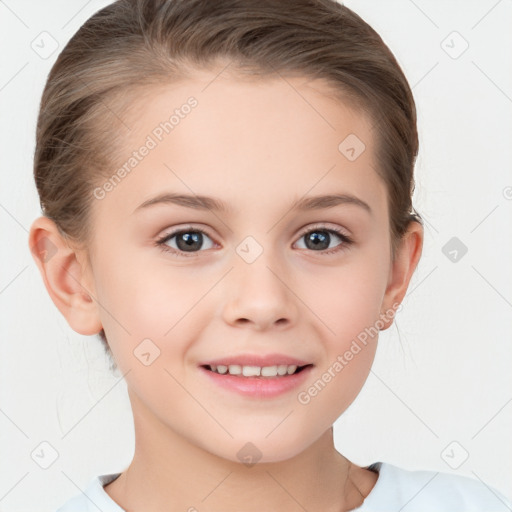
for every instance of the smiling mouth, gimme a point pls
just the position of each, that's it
(264, 372)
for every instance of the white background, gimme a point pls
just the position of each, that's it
(443, 375)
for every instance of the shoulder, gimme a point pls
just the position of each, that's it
(422, 491)
(94, 497)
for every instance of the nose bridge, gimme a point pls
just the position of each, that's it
(257, 291)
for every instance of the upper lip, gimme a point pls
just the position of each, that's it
(256, 360)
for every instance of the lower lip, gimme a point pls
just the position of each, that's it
(259, 387)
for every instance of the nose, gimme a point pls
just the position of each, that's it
(258, 295)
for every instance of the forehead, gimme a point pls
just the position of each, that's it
(249, 141)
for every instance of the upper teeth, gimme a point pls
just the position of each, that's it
(255, 371)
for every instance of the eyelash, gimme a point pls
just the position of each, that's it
(161, 242)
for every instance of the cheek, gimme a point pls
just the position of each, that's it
(138, 303)
(349, 309)
(348, 298)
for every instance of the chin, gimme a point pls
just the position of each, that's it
(258, 449)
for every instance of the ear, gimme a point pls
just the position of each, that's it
(67, 278)
(406, 260)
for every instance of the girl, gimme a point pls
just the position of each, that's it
(226, 188)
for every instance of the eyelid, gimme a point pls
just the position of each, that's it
(325, 226)
(346, 238)
(316, 225)
(185, 229)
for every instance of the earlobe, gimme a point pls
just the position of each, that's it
(406, 261)
(65, 278)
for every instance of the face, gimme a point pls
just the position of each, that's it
(259, 276)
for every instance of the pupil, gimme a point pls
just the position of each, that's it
(192, 240)
(318, 239)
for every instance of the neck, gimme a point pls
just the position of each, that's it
(169, 473)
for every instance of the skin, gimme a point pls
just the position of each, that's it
(271, 144)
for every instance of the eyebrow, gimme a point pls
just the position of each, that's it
(209, 203)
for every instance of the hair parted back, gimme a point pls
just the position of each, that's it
(131, 44)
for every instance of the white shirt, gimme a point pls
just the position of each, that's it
(396, 490)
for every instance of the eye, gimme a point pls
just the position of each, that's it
(187, 241)
(320, 237)
(190, 240)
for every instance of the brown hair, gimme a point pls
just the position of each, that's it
(130, 44)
